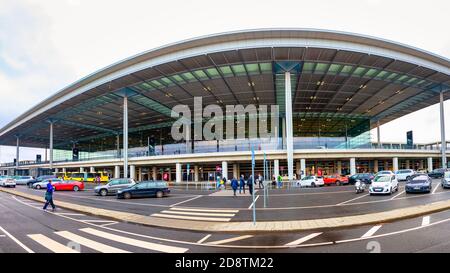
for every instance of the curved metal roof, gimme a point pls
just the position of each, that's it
(385, 98)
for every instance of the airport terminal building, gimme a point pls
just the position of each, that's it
(331, 89)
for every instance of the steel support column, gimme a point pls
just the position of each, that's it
(443, 141)
(51, 145)
(125, 136)
(289, 129)
(378, 135)
(395, 164)
(352, 166)
(17, 152)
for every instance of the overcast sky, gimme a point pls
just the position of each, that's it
(48, 44)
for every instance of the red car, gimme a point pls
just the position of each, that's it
(335, 179)
(68, 185)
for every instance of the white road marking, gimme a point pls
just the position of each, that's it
(203, 239)
(425, 220)
(437, 186)
(185, 201)
(198, 213)
(303, 239)
(206, 210)
(70, 214)
(371, 231)
(254, 202)
(214, 219)
(89, 243)
(400, 193)
(16, 241)
(2, 235)
(356, 198)
(134, 242)
(109, 224)
(234, 239)
(98, 221)
(51, 244)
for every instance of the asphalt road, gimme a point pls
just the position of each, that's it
(293, 204)
(25, 227)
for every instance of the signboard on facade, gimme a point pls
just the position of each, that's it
(409, 140)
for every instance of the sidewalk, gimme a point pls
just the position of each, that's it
(249, 227)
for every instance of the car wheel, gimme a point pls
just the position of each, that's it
(38, 187)
(338, 183)
(390, 192)
(75, 188)
(159, 194)
(313, 184)
(103, 192)
(127, 195)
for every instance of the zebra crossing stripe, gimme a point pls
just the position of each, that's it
(198, 213)
(51, 244)
(89, 243)
(134, 242)
(183, 217)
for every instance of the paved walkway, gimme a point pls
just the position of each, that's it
(249, 227)
(229, 192)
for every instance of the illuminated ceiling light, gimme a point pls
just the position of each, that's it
(368, 110)
(339, 108)
(348, 99)
(99, 113)
(362, 86)
(328, 120)
(320, 83)
(302, 119)
(209, 88)
(352, 120)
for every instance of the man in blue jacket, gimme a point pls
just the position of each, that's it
(242, 184)
(49, 196)
(234, 185)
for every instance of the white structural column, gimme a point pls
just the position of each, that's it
(407, 164)
(63, 170)
(375, 166)
(235, 171)
(154, 176)
(378, 135)
(289, 129)
(178, 172)
(302, 168)
(352, 166)
(81, 170)
(140, 177)
(339, 167)
(276, 168)
(430, 164)
(297, 168)
(395, 164)
(92, 170)
(283, 133)
(188, 138)
(132, 172)
(56, 170)
(443, 141)
(225, 169)
(196, 173)
(17, 152)
(125, 136)
(117, 171)
(51, 145)
(421, 164)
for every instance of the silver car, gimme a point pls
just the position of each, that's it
(7, 181)
(43, 183)
(446, 180)
(23, 180)
(113, 186)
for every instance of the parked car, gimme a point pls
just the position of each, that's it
(23, 180)
(145, 189)
(384, 184)
(43, 184)
(40, 179)
(445, 183)
(420, 183)
(437, 173)
(335, 179)
(385, 173)
(405, 175)
(113, 186)
(363, 177)
(7, 181)
(311, 181)
(68, 185)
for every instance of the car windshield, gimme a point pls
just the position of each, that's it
(382, 179)
(384, 172)
(447, 175)
(419, 179)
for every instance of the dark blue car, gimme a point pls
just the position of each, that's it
(145, 189)
(419, 183)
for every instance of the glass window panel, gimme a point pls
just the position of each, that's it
(321, 68)
(177, 78)
(167, 81)
(381, 74)
(266, 67)
(188, 76)
(393, 75)
(252, 68)
(238, 69)
(226, 71)
(359, 71)
(146, 86)
(201, 74)
(156, 83)
(402, 78)
(422, 81)
(371, 72)
(346, 69)
(212, 72)
(412, 80)
(334, 68)
(308, 67)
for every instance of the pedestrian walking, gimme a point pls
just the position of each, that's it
(97, 179)
(260, 182)
(224, 180)
(234, 185)
(280, 183)
(242, 184)
(49, 196)
(250, 184)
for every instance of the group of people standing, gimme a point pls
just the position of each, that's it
(242, 183)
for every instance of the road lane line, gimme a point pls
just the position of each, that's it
(206, 210)
(303, 239)
(371, 231)
(348, 201)
(437, 186)
(214, 219)
(70, 214)
(90, 243)
(400, 193)
(252, 204)
(204, 239)
(134, 242)
(2, 235)
(51, 244)
(198, 213)
(98, 221)
(234, 239)
(425, 220)
(185, 201)
(16, 241)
